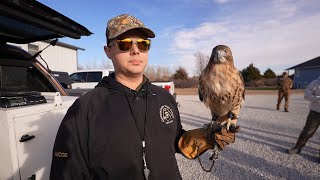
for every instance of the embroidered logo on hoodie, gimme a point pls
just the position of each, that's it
(166, 114)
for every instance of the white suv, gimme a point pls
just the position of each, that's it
(88, 79)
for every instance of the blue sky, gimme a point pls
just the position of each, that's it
(274, 34)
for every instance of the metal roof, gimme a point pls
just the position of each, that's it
(315, 62)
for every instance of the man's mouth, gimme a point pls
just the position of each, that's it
(135, 62)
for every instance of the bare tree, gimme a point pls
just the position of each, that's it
(201, 62)
(166, 74)
(157, 73)
(106, 65)
(102, 64)
(150, 73)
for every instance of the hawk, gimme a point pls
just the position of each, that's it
(221, 87)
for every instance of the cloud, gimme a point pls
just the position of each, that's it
(221, 1)
(187, 38)
(284, 8)
(279, 40)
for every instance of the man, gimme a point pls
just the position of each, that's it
(312, 94)
(285, 84)
(125, 128)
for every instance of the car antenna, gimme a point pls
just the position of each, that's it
(52, 43)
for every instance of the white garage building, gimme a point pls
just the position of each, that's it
(61, 57)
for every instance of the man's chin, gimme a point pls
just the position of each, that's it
(136, 72)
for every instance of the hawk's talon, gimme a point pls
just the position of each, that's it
(229, 122)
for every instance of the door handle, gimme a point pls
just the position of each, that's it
(26, 137)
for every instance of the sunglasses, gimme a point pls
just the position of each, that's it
(126, 44)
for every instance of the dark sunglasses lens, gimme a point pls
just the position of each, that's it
(124, 45)
(143, 45)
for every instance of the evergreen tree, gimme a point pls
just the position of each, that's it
(180, 73)
(269, 74)
(251, 73)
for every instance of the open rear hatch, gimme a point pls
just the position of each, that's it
(28, 21)
(24, 22)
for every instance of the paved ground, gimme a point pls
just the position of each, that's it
(260, 148)
(194, 91)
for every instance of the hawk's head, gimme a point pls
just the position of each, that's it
(221, 54)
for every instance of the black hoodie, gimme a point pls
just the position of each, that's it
(101, 135)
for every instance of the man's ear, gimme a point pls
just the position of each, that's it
(107, 50)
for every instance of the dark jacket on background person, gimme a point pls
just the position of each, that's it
(101, 136)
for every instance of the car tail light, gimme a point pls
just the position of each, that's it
(167, 87)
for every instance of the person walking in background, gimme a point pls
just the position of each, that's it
(312, 94)
(285, 84)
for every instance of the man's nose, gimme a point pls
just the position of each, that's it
(135, 49)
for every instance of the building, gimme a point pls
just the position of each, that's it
(61, 57)
(305, 72)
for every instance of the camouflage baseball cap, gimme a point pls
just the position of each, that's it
(123, 23)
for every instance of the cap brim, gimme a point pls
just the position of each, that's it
(146, 31)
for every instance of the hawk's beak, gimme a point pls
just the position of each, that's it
(220, 57)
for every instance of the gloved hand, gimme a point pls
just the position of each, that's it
(197, 141)
(224, 137)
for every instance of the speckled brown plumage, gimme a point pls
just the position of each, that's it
(221, 85)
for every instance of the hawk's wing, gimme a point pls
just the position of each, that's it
(201, 90)
(200, 94)
(241, 77)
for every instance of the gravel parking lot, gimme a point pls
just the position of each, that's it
(260, 148)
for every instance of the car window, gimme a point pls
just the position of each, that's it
(94, 76)
(79, 77)
(63, 78)
(23, 79)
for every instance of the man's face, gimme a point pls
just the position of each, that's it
(131, 62)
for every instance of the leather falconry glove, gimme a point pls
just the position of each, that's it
(197, 141)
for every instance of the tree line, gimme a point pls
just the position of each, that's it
(251, 74)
